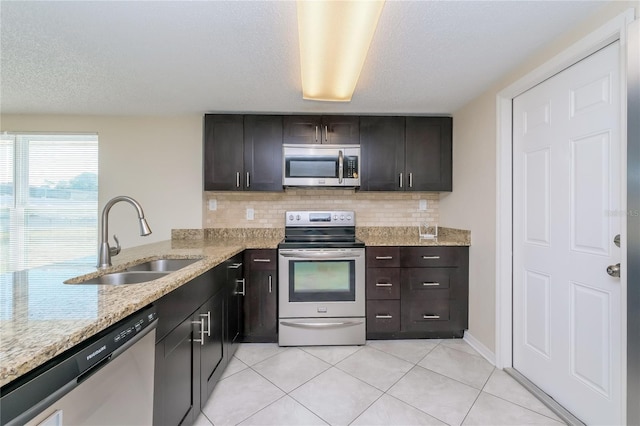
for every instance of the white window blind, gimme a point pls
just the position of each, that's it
(48, 199)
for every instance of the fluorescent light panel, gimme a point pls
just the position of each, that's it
(334, 40)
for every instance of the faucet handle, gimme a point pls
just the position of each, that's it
(115, 250)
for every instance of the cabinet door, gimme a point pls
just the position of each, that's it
(303, 129)
(211, 348)
(428, 157)
(382, 142)
(263, 153)
(174, 396)
(260, 302)
(340, 129)
(223, 153)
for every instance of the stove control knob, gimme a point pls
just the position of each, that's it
(290, 217)
(297, 217)
(335, 217)
(348, 217)
(341, 217)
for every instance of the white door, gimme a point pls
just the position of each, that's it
(567, 310)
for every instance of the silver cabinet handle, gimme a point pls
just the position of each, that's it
(384, 257)
(400, 180)
(262, 260)
(326, 134)
(248, 184)
(384, 316)
(237, 179)
(241, 293)
(270, 284)
(431, 316)
(201, 340)
(410, 180)
(616, 240)
(614, 270)
(430, 257)
(235, 265)
(340, 166)
(208, 316)
(316, 133)
(430, 284)
(384, 284)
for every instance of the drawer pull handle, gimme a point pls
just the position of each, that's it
(430, 257)
(384, 316)
(430, 284)
(431, 316)
(262, 260)
(384, 257)
(384, 284)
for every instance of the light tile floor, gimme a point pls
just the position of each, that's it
(385, 382)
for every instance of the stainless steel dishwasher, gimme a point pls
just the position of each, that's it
(107, 380)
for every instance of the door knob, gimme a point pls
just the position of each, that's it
(614, 270)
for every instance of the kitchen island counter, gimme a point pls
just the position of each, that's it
(41, 316)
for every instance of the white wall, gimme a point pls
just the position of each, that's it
(472, 204)
(156, 160)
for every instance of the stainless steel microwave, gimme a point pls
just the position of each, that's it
(321, 165)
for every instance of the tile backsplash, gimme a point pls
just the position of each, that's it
(372, 208)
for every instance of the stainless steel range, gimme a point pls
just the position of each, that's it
(321, 280)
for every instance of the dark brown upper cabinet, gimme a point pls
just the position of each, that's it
(406, 153)
(322, 129)
(242, 152)
(428, 154)
(382, 147)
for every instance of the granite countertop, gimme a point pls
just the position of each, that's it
(41, 316)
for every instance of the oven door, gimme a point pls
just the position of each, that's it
(321, 282)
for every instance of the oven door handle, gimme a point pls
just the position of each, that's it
(317, 325)
(321, 255)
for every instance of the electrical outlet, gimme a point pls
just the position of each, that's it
(422, 205)
(213, 204)
(249, 214)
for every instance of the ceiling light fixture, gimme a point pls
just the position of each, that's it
(334, 41)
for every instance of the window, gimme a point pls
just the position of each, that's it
(48, 200)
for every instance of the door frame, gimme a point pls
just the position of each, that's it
(613, 30)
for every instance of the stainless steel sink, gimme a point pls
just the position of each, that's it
(163, 265)
(125, 277)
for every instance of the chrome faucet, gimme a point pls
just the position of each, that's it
(105, 252)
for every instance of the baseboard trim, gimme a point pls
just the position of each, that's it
(551, 403)
(480, 347)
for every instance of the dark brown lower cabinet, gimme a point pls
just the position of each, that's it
(417, 292)
(261, 300)
(173, 396)
(195, 341)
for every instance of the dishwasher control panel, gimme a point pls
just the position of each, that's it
(114, 337)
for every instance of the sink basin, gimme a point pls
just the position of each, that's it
(126, 277)
(163, 265)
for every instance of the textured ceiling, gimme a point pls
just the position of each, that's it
(192, 57)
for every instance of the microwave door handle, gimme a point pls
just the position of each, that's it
(340, 166)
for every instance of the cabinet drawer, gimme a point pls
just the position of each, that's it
(425, 279)
(424, 257)
(383, 257)
(383, 316)
(261, 260)
(419, 314)
(383, 283)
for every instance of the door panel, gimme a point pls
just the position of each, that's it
(567, 309)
